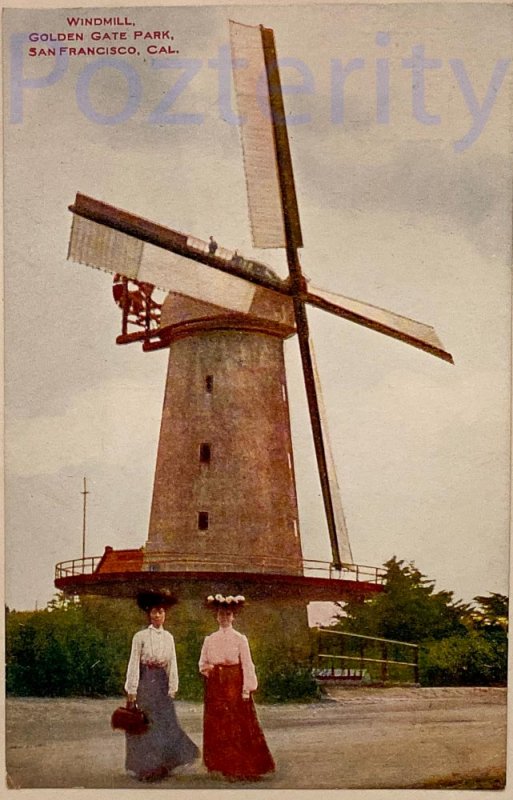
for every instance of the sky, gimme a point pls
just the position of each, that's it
(405, 202)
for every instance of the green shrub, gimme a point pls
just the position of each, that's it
(68, 649)
(469, 660)
(82, 649)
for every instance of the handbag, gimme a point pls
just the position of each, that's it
(130, 719)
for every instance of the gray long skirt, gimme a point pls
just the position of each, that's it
(165, 745)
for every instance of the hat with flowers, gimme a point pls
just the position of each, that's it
(232, 602)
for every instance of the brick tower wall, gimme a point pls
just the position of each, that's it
(224, 494)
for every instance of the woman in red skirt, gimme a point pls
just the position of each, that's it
(233, 741)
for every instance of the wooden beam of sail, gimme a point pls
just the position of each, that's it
(408, 330)
(344, 544)
(103, 247)
(293, 235)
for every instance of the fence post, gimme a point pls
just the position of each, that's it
(416, 667)
(384, 665)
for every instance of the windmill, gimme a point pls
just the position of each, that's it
(224, 509)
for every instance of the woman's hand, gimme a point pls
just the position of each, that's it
(131, 698)
(207, 669)
(246, 695)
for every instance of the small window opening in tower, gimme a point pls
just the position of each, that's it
(209, 384)
(205, 453)
(203, 520)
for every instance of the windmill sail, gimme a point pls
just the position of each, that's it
(267, 166)
(344, 545)
(104, 247)
(379, 319)
(270, 179)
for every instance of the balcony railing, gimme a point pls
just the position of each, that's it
(174, 562)
(355, 572)
(78, 566)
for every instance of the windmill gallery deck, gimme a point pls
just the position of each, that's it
(215, 217)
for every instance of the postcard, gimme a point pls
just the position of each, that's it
(258, 356)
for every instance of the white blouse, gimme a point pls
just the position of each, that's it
(228, 646)
(152, 646)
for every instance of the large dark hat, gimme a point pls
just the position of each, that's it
(231, 602)
(149, 600)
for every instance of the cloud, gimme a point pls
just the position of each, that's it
(417, 179)
(116, 422)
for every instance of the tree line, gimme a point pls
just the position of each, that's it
(460, 644)
(75, 648)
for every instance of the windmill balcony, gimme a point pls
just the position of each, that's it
(124, 573)
(132, 561)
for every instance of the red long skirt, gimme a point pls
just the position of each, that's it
(233, 741)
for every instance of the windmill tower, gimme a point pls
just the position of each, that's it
(225, 424)
(224, 509)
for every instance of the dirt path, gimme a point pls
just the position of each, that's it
(361, 738)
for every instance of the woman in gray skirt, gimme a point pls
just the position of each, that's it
(152, 682)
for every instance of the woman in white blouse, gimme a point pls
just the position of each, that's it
(233, 741)
(152, 682)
